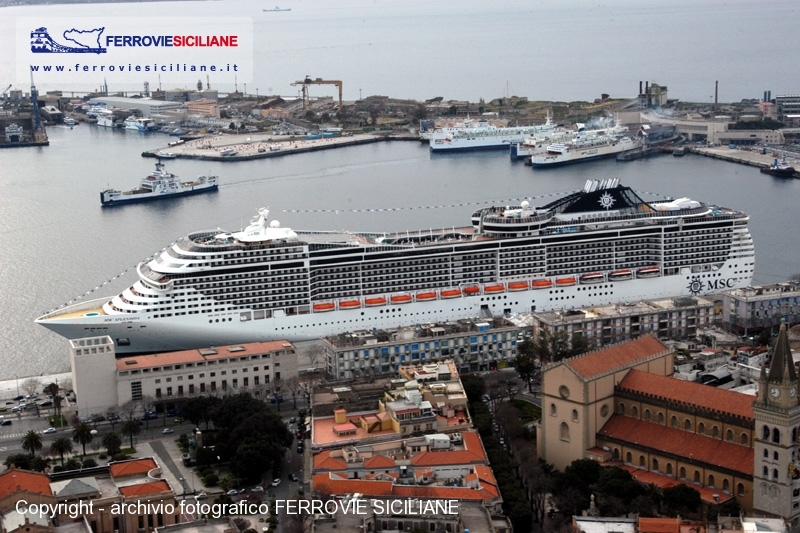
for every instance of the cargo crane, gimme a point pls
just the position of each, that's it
(4, 93)
(319, 81)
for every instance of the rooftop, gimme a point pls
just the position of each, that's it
(202, 354)
(13, 480)
(615, 357)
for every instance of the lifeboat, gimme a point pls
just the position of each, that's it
(592, 277)
(400, 298)
(617, 275)
(375, 301)
(518, 286)
(323, 307)
(349, 304)
(424, 296)
(542, 284)
(472, 290)
(566, 282)
(451, 293)
(494, 289)
(648, 272)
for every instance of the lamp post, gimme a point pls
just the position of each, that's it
(219, 467)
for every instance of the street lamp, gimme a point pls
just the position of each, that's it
(219, 466)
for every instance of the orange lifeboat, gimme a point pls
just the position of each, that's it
(616, 275)
(323, 307)
(349, 304)
(566, 282)
(592, 277)
(451, 293)
(401, 298)
(424, 296)
(472, 290)
(542, 284)
(648, 272)
(375, 301)
(518, 286)
(494, 289)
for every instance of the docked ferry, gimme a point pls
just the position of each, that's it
(603, 244)
(586, 147)
(484, 136)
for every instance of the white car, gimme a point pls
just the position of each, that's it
(276, 482)
(167, 431)
(49, 430)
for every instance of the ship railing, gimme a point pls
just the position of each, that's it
(658, 217)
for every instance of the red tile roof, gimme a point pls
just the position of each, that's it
(664, 481)
(325, 484)
(134, 467)
(145, 489)
(33, 482)
(233, 351)
(472, 453)
(659, 525)
(616, 357)
(675, 442)
(691, 394)
(324, 461)
(379, 461)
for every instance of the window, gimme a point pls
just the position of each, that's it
(775, 456)
(136, 390)
(655, 464)
(740, 489)
(687, 425)
(647, 415)
(621, 408)
(726, 486)
(776, 435)
(697, 476)
(669, 469)
(169, 391)
(745, 440)
(629, 457)
(158, 393)
(711, 481)
(635, 412)
(701, 428)
(729, 435)
(553, 410)
(715, 432)
(673, 421)
(563, 432)
(682, 473)
(574, 415)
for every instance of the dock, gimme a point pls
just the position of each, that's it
(735, 155)
(245, 147)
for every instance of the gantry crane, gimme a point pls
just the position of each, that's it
(319, 81)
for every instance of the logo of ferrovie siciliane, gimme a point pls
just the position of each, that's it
(82, 42)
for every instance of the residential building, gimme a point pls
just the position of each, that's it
(788, 106)
(671, 318)
(474, 345)
(754, 309)
(102, 382)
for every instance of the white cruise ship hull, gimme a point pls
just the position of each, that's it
(584, 153)
(138, 335)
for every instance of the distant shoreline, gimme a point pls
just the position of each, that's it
(17, 3)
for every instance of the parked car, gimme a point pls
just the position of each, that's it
(293, 477)
(258, 488)
(276, 482)
(292, 420)
(5, 423)
(167, 431)
(232, 492)
(49, 430)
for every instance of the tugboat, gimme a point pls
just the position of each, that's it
(780, 169)
(159, 184)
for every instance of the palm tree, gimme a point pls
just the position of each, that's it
(130, 429)
(61, 446)
(112, 442)
(82, 434)
(32, 442)
(52, 390)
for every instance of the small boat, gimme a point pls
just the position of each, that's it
(159, 184)
(277, 8)
(70, 122)
(679, 152)
(494, 289)
(619, 275)
(401, 298)
(451, 293)
(472, 290)
(592, 277)
(566, 282)
(349, 304)
(542, 284)
(782, 169)
(375, 301)
(648, 272)
(426, 295)
(323, 307)
(518, 286)
(166, 155)
(228, 152)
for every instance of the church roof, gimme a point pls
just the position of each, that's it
(691, 394)
(678, 443)
(615, 357)
(782, 366)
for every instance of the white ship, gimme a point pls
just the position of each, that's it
(601, 245)
(157, 185)
(586, 146)
(484, 136)
(140, 124)
(537, 144)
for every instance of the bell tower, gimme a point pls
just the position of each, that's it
(776, 468)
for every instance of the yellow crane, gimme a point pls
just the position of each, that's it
(319, 81)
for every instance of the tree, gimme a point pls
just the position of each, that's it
(148, 406)
(39, 463)
(199, 409)
(525, 362)
(32, 442)
(112, 442)
(61, 446)
(82, 434)
(19, 460)
(551, 347)
(474, 387)
(129, 409)
(314, 354)
(293, 385)
(681, 500)
(31, 385)
(52, 390)
(579, 344)
(131, 428)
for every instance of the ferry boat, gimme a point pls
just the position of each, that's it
(268, 282)
(159, 184)
(586, 147)
(484, 136)
(140, 124)
(782, 169)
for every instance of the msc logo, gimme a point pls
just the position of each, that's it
(83, 42)
(696, 286)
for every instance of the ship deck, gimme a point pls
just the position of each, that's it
(78, 313)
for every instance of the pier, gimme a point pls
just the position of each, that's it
(736, 155)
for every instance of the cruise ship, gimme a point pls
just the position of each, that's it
(601, 245)
(586, 147)
(483, 136)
